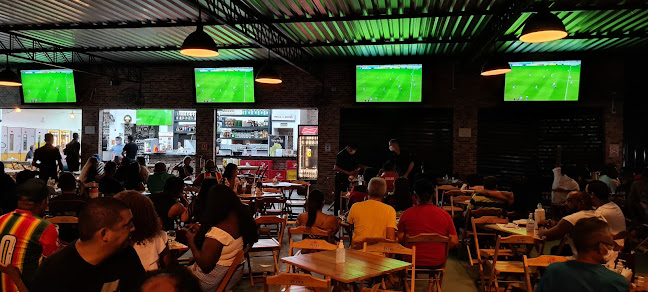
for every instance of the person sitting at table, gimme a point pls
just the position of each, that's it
(197, 206)
(148, 238)
(600, 195)
(100, 164)
(210, 173)
(68, 203)
(637, 201)
(489, 197)
(314, 217)
(360, 193)
(563, 181)
(184, 168)
(132, 180)
(159, 177)
(8, 200)
(89, 171)
(373, 218)
(389, 174)
(580, 205)
(611, 177)
(425, 217)
(108, 185)
(230, 177)
(225, 230)
(170, 204)
(174, 279)
(401, 198)
(144, 171)
(101, 260)
(594, 243)
(122, 169)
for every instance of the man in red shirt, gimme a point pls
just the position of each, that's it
(25, 238)
(427, 218)
(389, 175)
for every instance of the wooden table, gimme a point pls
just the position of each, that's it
(511, 231)
(280, 185)
(358, 265)
(254, 197)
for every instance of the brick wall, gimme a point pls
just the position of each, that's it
(445, 85)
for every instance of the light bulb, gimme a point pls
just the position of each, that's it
(18, 109)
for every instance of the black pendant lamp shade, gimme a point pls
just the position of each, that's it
(199, 44)
(268, 75)
(9, 78)
(543, 26)
(495, 66)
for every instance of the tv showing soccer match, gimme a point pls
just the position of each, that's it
(154, 117)
(218, 85)
(543, 81)
(389, 83)
(48, 86)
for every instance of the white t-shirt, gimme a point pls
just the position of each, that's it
(231, 246)
(614, 216)
(149, 251)
(573, 218)
(564, 182)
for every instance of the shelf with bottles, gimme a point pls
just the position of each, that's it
(178, 129)
(229, 122)
(238, 139)
(307, 173)
(184, 116)
(246, 113)
(183, 132)
(257, 134)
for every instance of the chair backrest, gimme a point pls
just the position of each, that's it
(370, 241)
(14, 274)
(308, 231)
(279, 222)
(235, 263)
(513, 241)
(63, 220)
(483, 221)
(541, 261)
(302, 280)
(394, 248)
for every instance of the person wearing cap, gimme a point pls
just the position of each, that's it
(27, 238)
(425, 217)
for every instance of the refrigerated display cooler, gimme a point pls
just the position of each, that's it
(307, 152)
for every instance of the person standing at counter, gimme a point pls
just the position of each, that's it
(30, 153)
(184, 169)
(46, 159)
(118, 148)
(72, 153)
(401, 158)
(346, 165)
(130, 149)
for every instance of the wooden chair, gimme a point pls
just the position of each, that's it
(541, 261)
(299, 281)
(456, 207)
(483, 253)
(441, 189)
(375, 288)
(308, 244)
(271, 206)
(358, 245)
(235, 263)
(498, 267)
(435, 276)
(393, 248)
(272, 244)
(63, 220)
(467, 237)
(314, 231)
(14, 274)
(290, 203)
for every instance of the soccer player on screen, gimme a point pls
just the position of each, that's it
(554, 85)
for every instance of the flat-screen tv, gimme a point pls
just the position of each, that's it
(389, 83)
(218, 85)
(154, 117)
(543, 81)
(48, 86)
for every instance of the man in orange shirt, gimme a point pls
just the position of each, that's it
(25, 238)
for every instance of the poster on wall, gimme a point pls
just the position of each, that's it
(277, 144)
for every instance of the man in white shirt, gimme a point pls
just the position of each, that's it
(581, 205)
(562, 185)
(600, 194)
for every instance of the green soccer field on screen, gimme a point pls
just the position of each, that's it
(543, 81)
(389, 83)
(48, 86)
(224, 85)
(154, 117)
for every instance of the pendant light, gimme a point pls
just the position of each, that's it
(199, 44)
(495, 66)
(543, 26)
(267, 74)
(8, 77)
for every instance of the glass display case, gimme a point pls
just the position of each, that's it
(307, 152)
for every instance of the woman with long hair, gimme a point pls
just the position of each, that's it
(197, 206)
(149, 240)
(401, 199)
(132, 180)
(89, 171)
(314, 217)
(230, 177)
(223, 231)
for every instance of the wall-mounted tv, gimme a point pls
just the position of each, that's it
(218, 85)
(389, 83)
(48, 86)
(543, 81)
(154, 117)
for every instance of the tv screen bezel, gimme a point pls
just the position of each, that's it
(195, 99)
(22, 93)
(543, 101)
(355, 96)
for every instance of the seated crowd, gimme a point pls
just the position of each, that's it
(120, 242)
